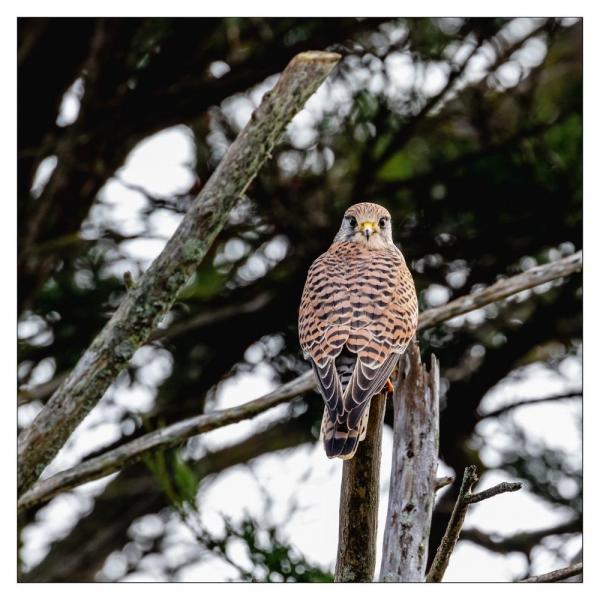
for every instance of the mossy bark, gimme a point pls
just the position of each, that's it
(148, 302)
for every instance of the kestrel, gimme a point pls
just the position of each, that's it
(358, 313)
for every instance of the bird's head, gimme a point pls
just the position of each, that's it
(368, 224)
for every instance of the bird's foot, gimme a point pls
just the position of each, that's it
(389, 386)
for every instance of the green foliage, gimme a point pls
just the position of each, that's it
(272, 558)
(176, 478)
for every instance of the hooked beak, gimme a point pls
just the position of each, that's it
(367, 228)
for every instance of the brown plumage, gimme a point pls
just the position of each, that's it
(357, 315)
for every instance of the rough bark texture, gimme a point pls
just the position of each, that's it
(414, 464)
(150, 300)
(359, 502)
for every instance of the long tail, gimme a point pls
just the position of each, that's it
(339, 441)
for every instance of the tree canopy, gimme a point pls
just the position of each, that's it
(468, 130)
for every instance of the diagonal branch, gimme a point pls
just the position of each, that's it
(522, 542)
(502, 289)
(442, 482)
(114, 460)
(452, 533)
(558, 575)
(446, 547)
(501, 488)
(133, 451)
(529, 402)
(146, 304)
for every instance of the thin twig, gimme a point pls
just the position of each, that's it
(558, 575)
(501, 488)
(114, 460)
(522, 542)
(442, 482)
(528, 402)
(442, 555)
(452, 533)
(147, 303)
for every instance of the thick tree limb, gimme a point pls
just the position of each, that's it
(465, 497)
(147, 303)
(359, 503)
(414, 465)
(558, 575)
(114, 460)
(129, 453)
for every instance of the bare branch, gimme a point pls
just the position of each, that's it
(453, 530)
(442, 555)
(151, 299)
(112, 461)
(414, 464)
(529, 402)
(129, 453)
(442, 482)
(359, 503)
(519, 542)
(501, 488)
(498, 291)
(502, 289)
(558, 575)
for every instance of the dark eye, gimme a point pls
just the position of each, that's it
(382, 222)
(352, 221)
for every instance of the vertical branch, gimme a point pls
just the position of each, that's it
(414, 465)
(453, 529)
(359, 503)
(442, 555)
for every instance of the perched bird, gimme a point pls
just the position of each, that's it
(357, 315)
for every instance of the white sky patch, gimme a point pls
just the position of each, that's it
(42, 175)
(162, 163)
(121, 208)
(163, 222)
(70, 105)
